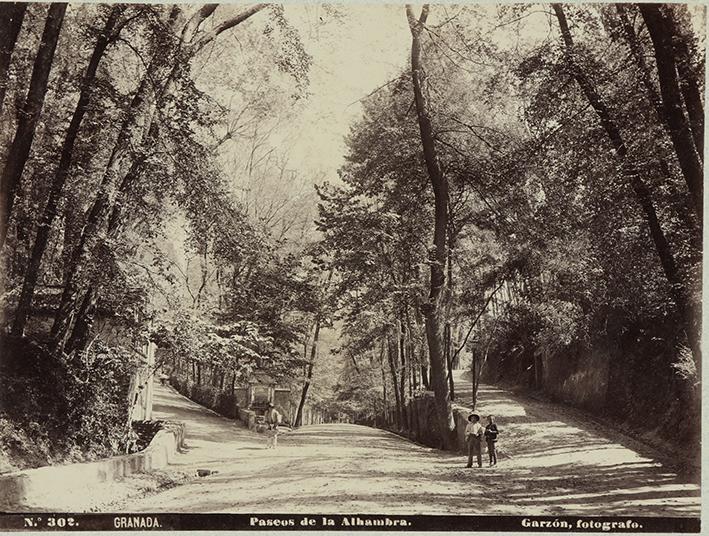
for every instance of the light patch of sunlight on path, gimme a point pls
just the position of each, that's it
(555, 464)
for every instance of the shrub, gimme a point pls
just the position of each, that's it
(78, 404)
(222, 402)
(226, 405)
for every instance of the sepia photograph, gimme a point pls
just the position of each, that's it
(351, 266)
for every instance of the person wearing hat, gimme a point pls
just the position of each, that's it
(273, 419)
(473, 436)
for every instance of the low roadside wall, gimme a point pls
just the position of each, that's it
(423, 424)
(248, 417)
(460, 415)
(31, 490)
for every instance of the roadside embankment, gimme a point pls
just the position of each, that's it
(45, 488)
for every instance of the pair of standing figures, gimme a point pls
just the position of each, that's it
(474, 435)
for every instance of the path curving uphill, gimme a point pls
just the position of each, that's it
(345, 468)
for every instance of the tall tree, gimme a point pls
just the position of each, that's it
(637, 50)
(683, 44)
(10, 25)
(22, 142)
(319, 317)
(107, 35)
(159, 84)
(679, 127)
(308, 374)
(433, 309)
(643, 195)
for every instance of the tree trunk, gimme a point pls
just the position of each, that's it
(402, 371)
(642, 193)
(60, 175)
(433, 310)
(694, 229)
(72, 228)
(157, 84)
(412, 369)
(425, 380)
(410, 353)
(10, 25)
(474, 373)
(22, 142)
(415, 367)
(449, 360)
(639, 55)
(79, 338)
(139, 113)
(313, 353)
(410, 378)
(391, 357)
(203, 266)
(304, 395)
(688, 78)
(422, 357)
(384, 383)
(679, 127)
(448, 334)
(308, 374)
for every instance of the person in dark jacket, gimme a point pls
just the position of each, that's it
(491, 432)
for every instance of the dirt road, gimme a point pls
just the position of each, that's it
(560, 465)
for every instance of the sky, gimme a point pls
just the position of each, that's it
(354, 52)
(355, 49)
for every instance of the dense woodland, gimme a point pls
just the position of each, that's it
(525, 195)
(532, 204)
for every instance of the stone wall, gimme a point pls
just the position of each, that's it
(422, 425)
(574, 376)
(39, 489)
(609, 379)
(581, 380)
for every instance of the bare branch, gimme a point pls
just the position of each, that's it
(487, 302)
(192, 26)
(207, 37)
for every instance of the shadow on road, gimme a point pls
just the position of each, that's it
(558, 466)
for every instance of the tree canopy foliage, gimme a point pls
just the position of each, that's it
(522, 197)
(571, 222)
(125, 223)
